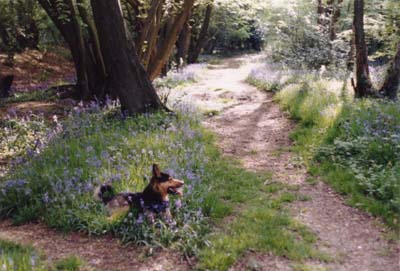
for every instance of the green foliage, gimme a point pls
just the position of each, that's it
(261, 223)
(19, 136)
(31, 96)
(354, 145)
(235, 25)
(95, 146)
(57, 185)
(25, 258)
(19, 258)
(71, 263)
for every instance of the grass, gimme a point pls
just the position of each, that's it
(25, 258)
(55, 185)
(31, 96)
(352, 144)
(175, 79)
(254, 218)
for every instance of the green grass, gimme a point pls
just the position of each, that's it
(36, 95)
(56, 187)
(24, 258)
(71, 263)
(352, 144)
(251, 215)
(263, 85)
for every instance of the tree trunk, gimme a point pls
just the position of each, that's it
(336, 12)
(126, 76)
(193, 57)
(5, 85)
(363, 87)
(72, 34)
(95, 68)
(392, 81)
(152, 35)
(163, 53)
(320, 12)
(183, 44)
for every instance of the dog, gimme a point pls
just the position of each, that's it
(153, 201)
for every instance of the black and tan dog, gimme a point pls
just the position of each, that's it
(153, 201)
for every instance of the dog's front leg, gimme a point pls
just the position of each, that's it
(149, 216)
(167, 216)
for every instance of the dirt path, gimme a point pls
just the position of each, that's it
(101, 253)
(251, 127)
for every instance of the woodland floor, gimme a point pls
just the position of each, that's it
(250, 127)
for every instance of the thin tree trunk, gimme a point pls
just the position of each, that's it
(320, 12)
(193, 57)
(5, 85)
(363, 87)
(151, 16)
(161, 58)
(336, 12)
(392, 81)
(183, 44)
(72, 34)
(95, 68)
(126, 76)
(152, 35)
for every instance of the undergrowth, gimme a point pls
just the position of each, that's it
(54, 184)
(25, 258)
(352, 144)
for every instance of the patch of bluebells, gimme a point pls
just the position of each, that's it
(273, 76)
(22, 138)
(369, 146)
(179, 77)
(97, 144)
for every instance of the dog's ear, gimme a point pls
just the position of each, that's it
(156, 171)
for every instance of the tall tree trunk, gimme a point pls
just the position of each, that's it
(363, 87)
(320, 12)
(126, 76)
(151, 48)
(392, 81)
(96, 70)
(183, 44)
(72, 34)
(194, 55)
(163, 53)
(336, 12)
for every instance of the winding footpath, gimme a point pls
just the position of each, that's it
(250, 127)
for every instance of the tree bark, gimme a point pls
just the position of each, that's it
(363, 87)
(5, 85)
(126, 76)
(151, 48)
(163, 53)
(336, 12)
(320, 12)
(183, 44)
(72, 34)
(392, 81)
(201, 40)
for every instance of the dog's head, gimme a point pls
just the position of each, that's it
(165, 184)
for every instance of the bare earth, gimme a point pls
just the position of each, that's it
(102, 253)
(250, 127)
